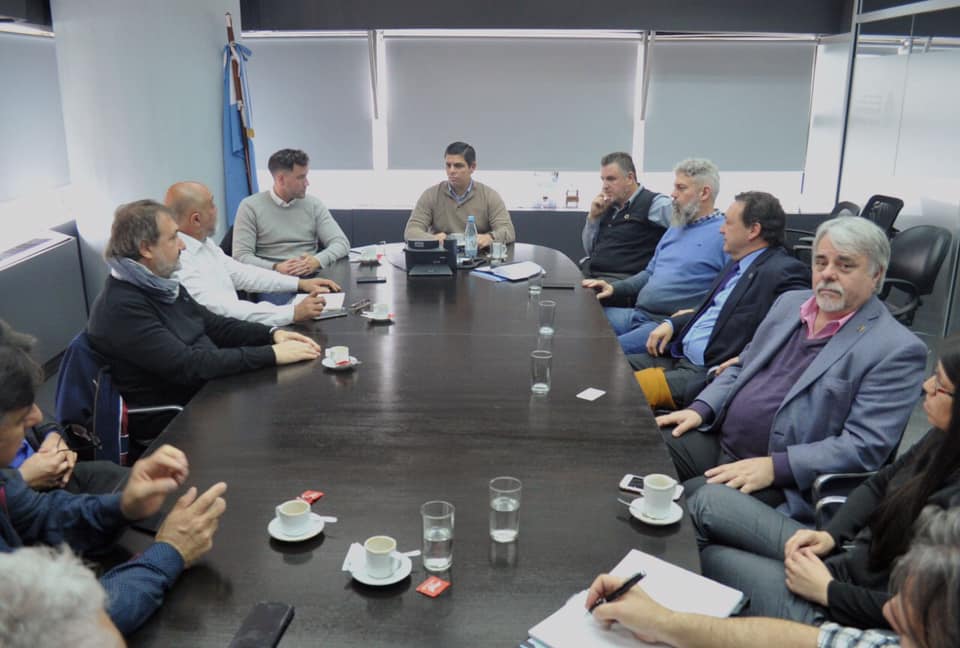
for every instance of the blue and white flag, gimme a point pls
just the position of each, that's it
(239, 162)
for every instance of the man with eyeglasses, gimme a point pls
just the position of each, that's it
(90, 523)
(826, 385)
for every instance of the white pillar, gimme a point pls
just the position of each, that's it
(141, 84)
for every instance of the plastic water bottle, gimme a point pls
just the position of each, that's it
(470, 238)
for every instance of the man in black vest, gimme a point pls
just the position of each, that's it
(625, 222)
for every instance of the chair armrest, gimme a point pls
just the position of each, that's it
(153, 409)
(830, 484)
(825, 509)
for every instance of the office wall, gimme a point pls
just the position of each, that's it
(33, 150)
(142, 92)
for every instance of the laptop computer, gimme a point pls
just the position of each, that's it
(427, 259)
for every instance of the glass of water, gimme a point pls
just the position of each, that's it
(540, 371)
(505, 508)
(437, 535)
(535, 284)
(548, 315)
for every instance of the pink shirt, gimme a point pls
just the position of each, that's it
(808, 315)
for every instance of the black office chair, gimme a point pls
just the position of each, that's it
(226, 243)
(883, 210)
(91, 409)
(845, 208)
(916, 255)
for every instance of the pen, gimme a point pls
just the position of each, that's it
(617, 593)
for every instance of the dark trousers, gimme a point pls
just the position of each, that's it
(696, 452)
(95, 477)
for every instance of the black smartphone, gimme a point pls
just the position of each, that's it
(264, 626)
(361, 280)
(557, 286)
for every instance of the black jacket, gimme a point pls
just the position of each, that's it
(857, 594)
(771, 274)
(163, 353)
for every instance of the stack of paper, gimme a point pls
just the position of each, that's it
(513, 271)
(670, 586)
(334, 300)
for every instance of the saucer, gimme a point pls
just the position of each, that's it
(328, 363)
(373, 318)
(360, 573)
(277, 533)
(675, 514)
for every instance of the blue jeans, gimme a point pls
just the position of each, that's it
(632, 327)
(741, 545)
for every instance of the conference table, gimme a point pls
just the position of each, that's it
(440, 405)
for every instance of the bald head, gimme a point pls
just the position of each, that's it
(192, 206)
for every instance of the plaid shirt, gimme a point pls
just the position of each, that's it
(835, 636)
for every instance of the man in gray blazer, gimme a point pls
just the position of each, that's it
(826, 385)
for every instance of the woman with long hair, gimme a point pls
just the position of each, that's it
(840, 573)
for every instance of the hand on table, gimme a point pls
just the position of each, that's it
(603, 288)
(484, 241)
(295, 267)
(318, 285)
(293, 347)
(635, 610)
(309, 307)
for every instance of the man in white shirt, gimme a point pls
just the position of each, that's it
(213, 279)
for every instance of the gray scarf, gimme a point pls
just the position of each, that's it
(124, 269)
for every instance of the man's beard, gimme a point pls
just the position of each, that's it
(830, 304)
(684, 215)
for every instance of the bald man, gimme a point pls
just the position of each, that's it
(213, 279)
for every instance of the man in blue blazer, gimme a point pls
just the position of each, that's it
(826, 385)
(760, 270)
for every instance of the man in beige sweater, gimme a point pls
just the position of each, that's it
(443, 209)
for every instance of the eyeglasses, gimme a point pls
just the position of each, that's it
(938, 388)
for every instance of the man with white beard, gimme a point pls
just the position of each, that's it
(825, 386)
(686, 261)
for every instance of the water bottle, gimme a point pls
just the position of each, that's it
(470, 238)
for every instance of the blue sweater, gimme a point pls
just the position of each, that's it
(134, 589)
(684, 265)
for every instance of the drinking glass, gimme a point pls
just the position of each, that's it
(505, 508)
(548, 313)
(535, 284)
(437, 535)
(540, 371)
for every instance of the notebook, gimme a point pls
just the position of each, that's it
(669, 585)
(334, 300)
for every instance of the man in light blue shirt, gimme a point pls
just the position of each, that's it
(760, 270)
(686, 260)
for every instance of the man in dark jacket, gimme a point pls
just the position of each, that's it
(674, 369)
(90, 523)
(162, 345)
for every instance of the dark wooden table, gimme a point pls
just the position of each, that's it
(440, 405)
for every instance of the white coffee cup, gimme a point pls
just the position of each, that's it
(294, 516)
(338, 355)
(658, 495)
(382, 558)
(381, 311)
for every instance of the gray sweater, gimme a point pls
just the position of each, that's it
(266, 233)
